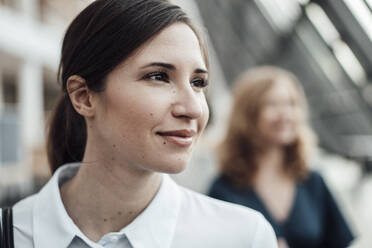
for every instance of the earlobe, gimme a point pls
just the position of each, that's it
(80, 95)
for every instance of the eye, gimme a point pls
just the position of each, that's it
(199, 83)
(157, 76)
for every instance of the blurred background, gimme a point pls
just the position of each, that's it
(325, 43)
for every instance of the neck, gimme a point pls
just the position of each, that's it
(106, 196)
(271, 161)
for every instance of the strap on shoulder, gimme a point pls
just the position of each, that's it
(1, 234)
(7, 237)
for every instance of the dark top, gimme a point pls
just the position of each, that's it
(314, 219)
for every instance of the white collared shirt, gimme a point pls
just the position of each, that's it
(175, 218)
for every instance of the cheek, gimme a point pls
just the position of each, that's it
(124, 115)
(266, 120)
(299, 116)
(205, 114)
(138, 103)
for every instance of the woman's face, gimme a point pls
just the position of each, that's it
(153, 109)
(280, 114)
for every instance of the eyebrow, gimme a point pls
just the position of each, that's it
(171, 67)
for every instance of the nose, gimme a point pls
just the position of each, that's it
(188, 103)
(286, 111)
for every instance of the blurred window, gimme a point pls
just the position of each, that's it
(9, 89)
(9, 137)
(9, 123)
(51, 90)
(60, 12)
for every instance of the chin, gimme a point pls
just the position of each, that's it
(172, 167)
(285, 142)
(175, 170)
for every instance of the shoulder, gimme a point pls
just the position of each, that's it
(212, 219)
(221, 189)
(214, 206)
(314, 179)
(315, 185)
(23, 221)
(22, 211)
(314, 176)
(220, 182)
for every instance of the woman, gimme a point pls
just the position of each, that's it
(133, 75)
(264, 162)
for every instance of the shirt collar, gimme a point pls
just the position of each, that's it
(154, 227)
(50, 219)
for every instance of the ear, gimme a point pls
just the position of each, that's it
(80, 95)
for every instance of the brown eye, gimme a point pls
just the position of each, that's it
(157, 76)
(199, 83)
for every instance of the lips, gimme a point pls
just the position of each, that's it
(181, 138)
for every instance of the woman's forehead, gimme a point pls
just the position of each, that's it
(175, 44)
(283, 85)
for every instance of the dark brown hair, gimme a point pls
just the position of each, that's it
(101, 37)
(238, 151)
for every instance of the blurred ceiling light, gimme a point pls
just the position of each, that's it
(322, 23)
(369, 2)
(281, 14)
(303, 2)
(321, 55)
(362, 13)
(367, 94)
(349, 62)
(341, 50)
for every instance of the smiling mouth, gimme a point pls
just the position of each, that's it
(181, 138)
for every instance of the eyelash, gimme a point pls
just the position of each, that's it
(199, 83)
(163, 76)
(155, 76)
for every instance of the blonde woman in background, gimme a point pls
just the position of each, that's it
(264, 162)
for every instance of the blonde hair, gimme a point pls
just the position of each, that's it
(238, 151)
